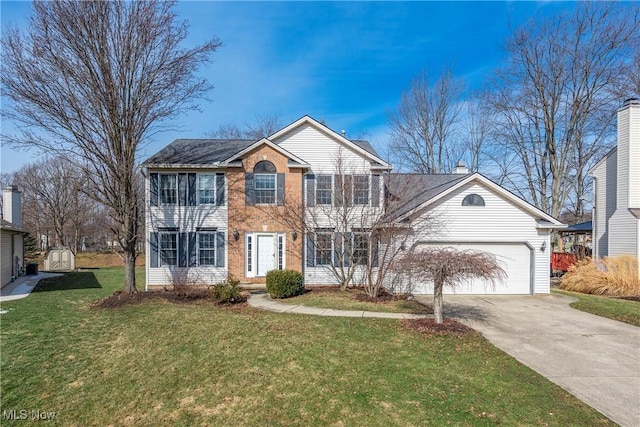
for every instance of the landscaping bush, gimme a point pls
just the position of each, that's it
(612, 276)
(227, 291)
(284, 283)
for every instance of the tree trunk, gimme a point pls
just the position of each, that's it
(437, 301)
(130, 270)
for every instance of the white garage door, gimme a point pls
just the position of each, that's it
(515, 258)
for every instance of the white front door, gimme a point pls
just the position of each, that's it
(266, 254)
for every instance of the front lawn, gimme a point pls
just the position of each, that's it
(347, 300)
(612, 308)
(163, 363)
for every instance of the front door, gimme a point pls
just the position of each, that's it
(266, 254)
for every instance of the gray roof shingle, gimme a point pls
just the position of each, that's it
(407, 191)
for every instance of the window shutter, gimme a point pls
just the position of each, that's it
(375, 248)
(183, 246)
(219, 249)
(348, 190)
(220, 189)
(311, 253)
(337, 249)
(249, 198)
(193, 255)
(153, 189)
(182, 189)
(375, 190)
(280, 189)
(339, 190)
(311, 189)
(153, 247)
(192, 189)
(348, 251)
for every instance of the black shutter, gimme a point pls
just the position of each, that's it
(280, 189)
(249, 197)
(182, 189)
(183, 248)
(348, 190)
(375, 190)
(220, 200)
(153, 189)
(337, 249)
(193, 257)
(338, 190)
(153, 247)
(348, 251)
(311, 189)
(219, 249)
(311, 253)
(375, 249)
(192, 189)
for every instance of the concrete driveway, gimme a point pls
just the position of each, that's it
(594, 358)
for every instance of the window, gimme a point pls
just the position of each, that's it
(280, 251)
(324, 186)
(360, 248)
(473, 200)
(249, 252)
(361, 189)
(168, 248)
(168, 189)
(206, 189)
(324, 248)
(207, 249)
(265, 183)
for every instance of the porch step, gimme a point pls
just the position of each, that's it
(253, 286)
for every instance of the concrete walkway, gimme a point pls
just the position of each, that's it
(262, 301)
(594, 358)
(22, 286)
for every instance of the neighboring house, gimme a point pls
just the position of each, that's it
(616, 188)
(213, 207)
(11, 236)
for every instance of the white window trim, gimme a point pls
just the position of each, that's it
(251, 257)
(160, 191)
(214, 249)
(315, 248)
(214, 189)
(161, 263)
(275, 188)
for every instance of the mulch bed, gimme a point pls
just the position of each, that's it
(197, 296)
(430, 327)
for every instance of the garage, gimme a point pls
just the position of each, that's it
(515, 258)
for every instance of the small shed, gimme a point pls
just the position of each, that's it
(60, 259)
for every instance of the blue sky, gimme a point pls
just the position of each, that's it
(344, 63)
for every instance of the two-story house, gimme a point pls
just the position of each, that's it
(301, 197)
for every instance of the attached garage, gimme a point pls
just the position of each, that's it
(515, 258)
(472, 212)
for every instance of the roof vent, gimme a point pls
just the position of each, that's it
(343, 132)
(461, 168)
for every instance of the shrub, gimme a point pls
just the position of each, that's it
(613, 276)
(227, 291)
(284, 283)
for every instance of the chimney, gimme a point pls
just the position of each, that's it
(461, 169)
(628, 178)
(12, 205)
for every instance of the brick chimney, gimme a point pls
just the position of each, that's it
(12, 205)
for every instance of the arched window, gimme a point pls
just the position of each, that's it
(473, 200)
(264, 166)
(265, 183)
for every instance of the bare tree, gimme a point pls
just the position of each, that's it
(451, 267)
(91, 81)
(423, 126)
(345, 224)
(555, 100)
(261, 127)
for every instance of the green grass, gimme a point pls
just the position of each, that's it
(345, 300)
(160, 363)
(612, 308)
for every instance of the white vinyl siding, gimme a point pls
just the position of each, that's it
(605, 195)
(7, 257)
(498, 222)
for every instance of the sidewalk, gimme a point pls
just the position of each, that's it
(262, 301)
(22, 286)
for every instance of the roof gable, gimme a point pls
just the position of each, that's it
(361, 147)
(264, 141)
(437, 192)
